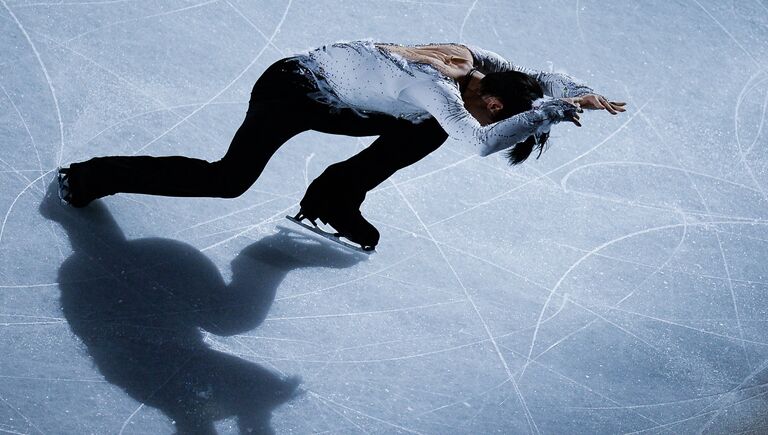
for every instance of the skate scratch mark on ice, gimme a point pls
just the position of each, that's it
(15, 410)
(27, 316)
(255, 27)
(737, 388)
(141, 91)
(420, 3)
(635, 287)
(574, 266)
(224, 216)
(574, 332)
(306, 169)
(680, 325)
(686, 211)
(739, 101)
(367, 345)
(579, 384)
(425, 175)
(149, 112)
(762, 5)
(30, 285)
(760, 127)
(322, 398)
(249, 228)
(565, 299)
(614, 324)
(407, 388)
(49, 225)
(304, 357)
(740, 148)
(47, 78)
(327, 405)
(10, 208)
(26, 128)
(365, 313)
(105, 2)
(542, 286)
(17, 171)
(467, 253)
(528, 416)
(564, 180)
(344, 283)
(578, 24)
(130, 417)
(726, 266)
(31, 378)
(683, 420)
(657, 404)
(463, 400)
(464, 21)
(729, 34)
(130, 20)
(30, 323)
(152, 394)
(232, 82)
(503, 194)
(743, 236)
(749, 377)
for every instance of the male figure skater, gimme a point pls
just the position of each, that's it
(412, 97)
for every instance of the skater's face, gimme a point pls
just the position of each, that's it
(484, 109)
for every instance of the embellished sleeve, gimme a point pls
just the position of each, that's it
(556, 85)
(444, 103)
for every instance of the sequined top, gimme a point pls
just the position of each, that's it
(365, 77)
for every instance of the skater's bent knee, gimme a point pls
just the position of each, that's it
(233, 190)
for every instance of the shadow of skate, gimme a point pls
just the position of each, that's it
(139, 305)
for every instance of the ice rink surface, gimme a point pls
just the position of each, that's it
(616, 285)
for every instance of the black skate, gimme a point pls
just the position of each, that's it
(351, 226)
(66, 187)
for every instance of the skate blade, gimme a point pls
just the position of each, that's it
(332, 237)
(63, 186)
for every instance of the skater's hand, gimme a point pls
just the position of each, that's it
(573, 114)
(599, 102)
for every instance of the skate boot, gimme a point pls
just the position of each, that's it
(348, 223)
(333, 198)
(66, 185)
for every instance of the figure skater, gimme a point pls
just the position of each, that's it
(412, 97)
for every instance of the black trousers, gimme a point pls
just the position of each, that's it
(279, 108)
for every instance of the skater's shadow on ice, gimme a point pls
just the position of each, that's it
(139, 306)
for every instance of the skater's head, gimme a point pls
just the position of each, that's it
(515, 91)
(507, 94)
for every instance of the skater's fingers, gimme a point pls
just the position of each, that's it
(597, 105)
(619, 106)
(575, 119)
(607, 106)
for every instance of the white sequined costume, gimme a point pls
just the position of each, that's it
(363, 77)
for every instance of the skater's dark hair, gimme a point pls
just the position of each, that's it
(517, 92)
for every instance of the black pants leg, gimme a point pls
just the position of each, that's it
(279, 109)
(345, 184)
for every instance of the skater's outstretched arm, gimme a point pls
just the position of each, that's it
(444, 102)
(557, 85)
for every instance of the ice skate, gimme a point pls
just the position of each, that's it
(351, 226)
(64, 179)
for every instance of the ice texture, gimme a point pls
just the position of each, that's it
(619, 284)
